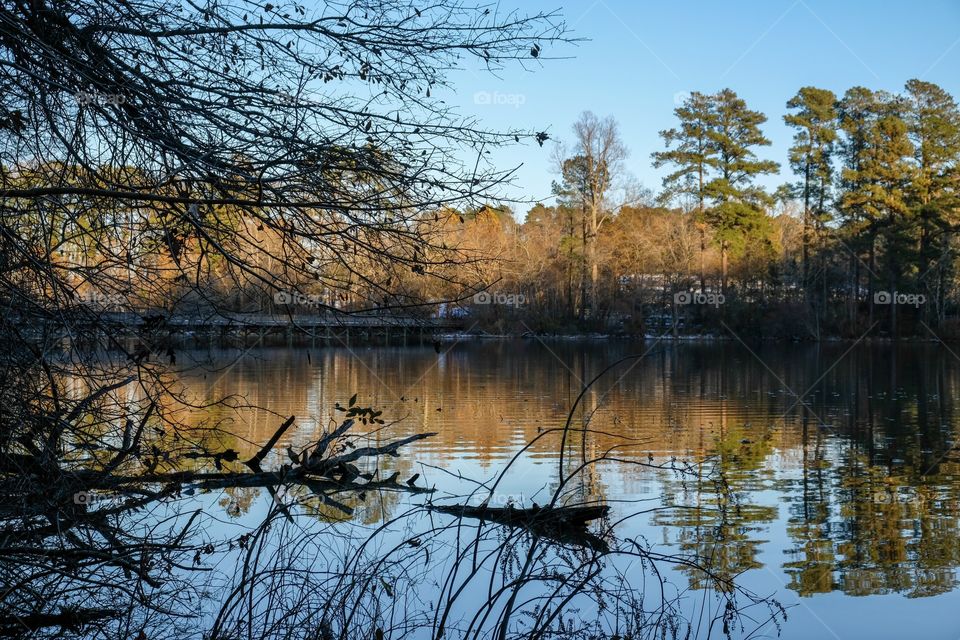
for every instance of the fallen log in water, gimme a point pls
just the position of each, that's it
(325, 473)
(567, 525)
(572, 516)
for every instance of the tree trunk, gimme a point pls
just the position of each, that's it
(805, 265)
(924, 265)
(703, 250)
(583, 268)
(870, 279)
(854, 288)
(592, 255)
(893, 307)
(703, 234)
(723, 267)
(818, 236)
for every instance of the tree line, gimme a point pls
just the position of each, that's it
(864, 237)
(861, 241)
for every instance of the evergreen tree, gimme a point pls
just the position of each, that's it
(877, 178)
(738, 212)
(933, 125)
(815, 118)
(853, 112)
(692, 156)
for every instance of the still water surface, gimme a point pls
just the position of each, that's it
(841, 458)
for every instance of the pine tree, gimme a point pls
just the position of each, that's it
(738, 207)
(933, 124)
(877, 177)
(853, 112)
(693, 156)
(815, 118)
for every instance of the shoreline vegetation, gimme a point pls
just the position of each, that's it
(156, 332)
(863, 243)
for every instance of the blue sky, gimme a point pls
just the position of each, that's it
(641, 56)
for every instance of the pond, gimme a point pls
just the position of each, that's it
(823, 475)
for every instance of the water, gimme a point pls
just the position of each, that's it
(840, 458)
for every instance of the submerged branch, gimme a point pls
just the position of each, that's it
(335, 474)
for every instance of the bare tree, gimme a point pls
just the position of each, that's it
(595, 161)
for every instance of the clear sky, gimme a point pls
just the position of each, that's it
(641, 56)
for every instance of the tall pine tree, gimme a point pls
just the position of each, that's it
(877, 177)
(692, 155)
(933, 124)
(815, 118)
(738, 205)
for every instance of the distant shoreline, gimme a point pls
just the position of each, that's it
(367, 329)
(596, 337)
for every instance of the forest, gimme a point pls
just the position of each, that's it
(862, 242)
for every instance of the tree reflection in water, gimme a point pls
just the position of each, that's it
(123, 535)
(863, 468)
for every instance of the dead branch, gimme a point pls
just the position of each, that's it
(567, 525)
(254, 462)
